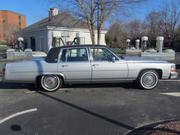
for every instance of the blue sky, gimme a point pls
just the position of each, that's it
(35, 10)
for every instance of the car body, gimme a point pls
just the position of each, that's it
(88, 64)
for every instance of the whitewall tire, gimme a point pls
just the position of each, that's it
(148, 79)
(50, 83)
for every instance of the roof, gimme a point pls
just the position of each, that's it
(61, 20)
(74, 46)
(12, 12)
(54, 52)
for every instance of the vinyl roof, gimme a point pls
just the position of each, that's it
(73, 46)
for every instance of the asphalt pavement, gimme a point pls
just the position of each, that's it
(111, 109)
(104, 109)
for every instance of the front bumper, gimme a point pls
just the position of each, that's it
(173, 75)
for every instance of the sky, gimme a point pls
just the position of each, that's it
(35, 10)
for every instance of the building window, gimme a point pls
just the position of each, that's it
(19, 18)
(4, 21)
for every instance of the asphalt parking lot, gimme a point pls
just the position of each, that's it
(101, 109)
(111, 109)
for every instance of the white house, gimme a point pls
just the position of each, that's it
(57, 30)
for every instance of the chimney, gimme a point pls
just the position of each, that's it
(53, 12)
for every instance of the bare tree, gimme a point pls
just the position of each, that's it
(171, 20)
(164, 22)
(106, 7)
(116, 36)
(154, 26)
(135, 29)
(87, 9)
(96, 12)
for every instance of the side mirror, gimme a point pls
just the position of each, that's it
(113, 59)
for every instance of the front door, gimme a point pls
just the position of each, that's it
(106, 66)
(74, 64)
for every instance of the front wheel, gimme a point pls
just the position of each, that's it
(148, 79)
(50, 83)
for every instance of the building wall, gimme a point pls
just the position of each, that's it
(44, 37)
(10, 22)
(40, 37)
(68, 34)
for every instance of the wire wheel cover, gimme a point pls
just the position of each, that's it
(149, 79)
(50, 82)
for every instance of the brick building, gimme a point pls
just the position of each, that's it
(10, 22)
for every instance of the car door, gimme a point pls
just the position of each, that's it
(106, 66)
(74, 64)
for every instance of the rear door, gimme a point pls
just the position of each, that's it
(74, 64)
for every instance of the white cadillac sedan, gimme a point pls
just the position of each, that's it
(87, 64)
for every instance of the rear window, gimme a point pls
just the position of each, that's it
(52, 56)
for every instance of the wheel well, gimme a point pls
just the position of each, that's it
(159, 71)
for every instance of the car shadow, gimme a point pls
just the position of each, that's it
(95, 114)
(128, 85)
(16, 86)
(32, 87)
(133, 130)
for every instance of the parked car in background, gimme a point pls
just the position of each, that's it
(88, 64)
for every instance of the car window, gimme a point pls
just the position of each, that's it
(74, 55)
(102, 54)
(52, 56)
(63, 55)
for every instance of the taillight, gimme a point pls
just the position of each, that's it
(173, 68)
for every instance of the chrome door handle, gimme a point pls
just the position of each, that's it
(64, 65)
(95, 64)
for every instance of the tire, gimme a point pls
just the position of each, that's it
(148, 79)
(50, 83)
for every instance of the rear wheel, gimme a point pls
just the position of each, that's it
(50, 83)
(148, 79)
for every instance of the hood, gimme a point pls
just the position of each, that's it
(142, 59)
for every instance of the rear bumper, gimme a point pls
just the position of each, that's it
(173, 75)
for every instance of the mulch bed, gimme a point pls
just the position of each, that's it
(163, 128)
(170, 128)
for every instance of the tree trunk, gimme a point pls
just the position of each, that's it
(91, 30)
(98, 35)
(91, 19)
